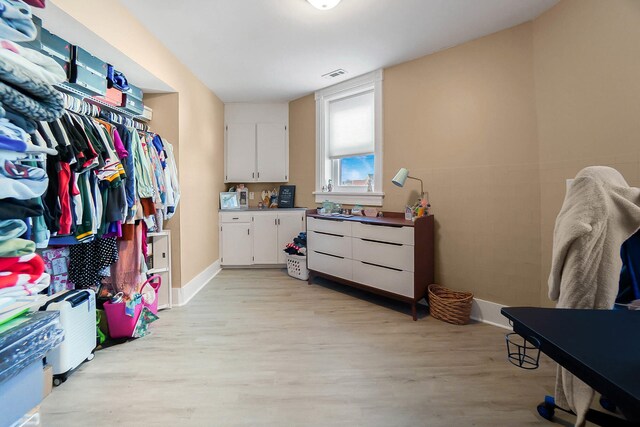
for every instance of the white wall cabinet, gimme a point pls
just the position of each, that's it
(258, 237)
(240, 152)
(256, 143)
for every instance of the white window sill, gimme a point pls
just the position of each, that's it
(350, 197)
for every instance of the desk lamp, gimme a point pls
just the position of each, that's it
(402, 176)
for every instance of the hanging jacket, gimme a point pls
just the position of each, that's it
(600, 211)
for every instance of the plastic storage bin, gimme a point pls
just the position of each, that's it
(21, 393)
(297, 266)
(121, 325)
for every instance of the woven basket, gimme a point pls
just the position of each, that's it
(450, 306)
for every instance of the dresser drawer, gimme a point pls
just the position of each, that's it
(383, 233)
(341, 228)
(393, 255)
(328, 264)
(235, 217)
(329, 243)
(390, 280)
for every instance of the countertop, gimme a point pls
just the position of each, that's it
(397, 221)
(262, 210)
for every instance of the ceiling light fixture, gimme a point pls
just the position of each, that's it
(324, 4)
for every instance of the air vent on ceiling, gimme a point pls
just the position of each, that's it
(335, 73)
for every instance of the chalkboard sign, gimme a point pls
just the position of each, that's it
(286, 196)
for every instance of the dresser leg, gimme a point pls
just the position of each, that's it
(310, 279)
(414, 311)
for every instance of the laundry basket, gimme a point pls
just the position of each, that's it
(450, 306)
(297, 266)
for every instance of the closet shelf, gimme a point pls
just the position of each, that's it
(64, 87)
(158, 270)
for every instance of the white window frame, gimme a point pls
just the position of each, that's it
(324, 166)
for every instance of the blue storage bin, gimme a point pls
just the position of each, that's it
(134, 92)
(83, 59)
(133, 105)
(88, 82)
(21, 393)
(55, 46)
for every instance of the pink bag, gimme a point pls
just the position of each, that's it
(121, 325)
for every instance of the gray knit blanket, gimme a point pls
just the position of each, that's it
(28, 95)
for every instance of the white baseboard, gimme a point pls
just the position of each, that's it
(181, 296)
(489, 312)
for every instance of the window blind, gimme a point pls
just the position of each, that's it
(351, 126)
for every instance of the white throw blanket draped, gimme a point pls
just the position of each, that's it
(600, 211)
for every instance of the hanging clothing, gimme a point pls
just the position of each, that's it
(126, 274)
(87, 261)
(600, 212)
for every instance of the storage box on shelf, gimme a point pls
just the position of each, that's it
(159, 250)
(133, 100)
(88, 73)
(388, 256)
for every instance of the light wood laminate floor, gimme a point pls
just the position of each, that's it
(256, 347)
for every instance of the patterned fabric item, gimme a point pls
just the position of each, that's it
(16, 23)
(11, 229)
(22, 182)
(27, 95)
(22, 271)
(32, 62)
(142, 325)
(87, 261)
(36, 3)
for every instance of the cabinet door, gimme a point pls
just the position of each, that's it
(273, 153)
(237, 244)
(290, 224)
(265, 238)
(240, 152)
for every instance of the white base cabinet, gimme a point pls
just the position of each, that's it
(236, 242)
(258, 237)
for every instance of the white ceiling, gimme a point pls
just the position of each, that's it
(277, 50)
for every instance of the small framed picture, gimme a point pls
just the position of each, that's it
(243, 194)
(229, 200)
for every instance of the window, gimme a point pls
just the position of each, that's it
(349, 141)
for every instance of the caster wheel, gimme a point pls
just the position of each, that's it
(607, 404)
(90, 357)
(546, 411)
(57, 382)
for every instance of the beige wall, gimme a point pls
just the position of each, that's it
(464, 121)
(494, 127)
(302, 149)
(587, 72)
(166, 111)
(200, 130)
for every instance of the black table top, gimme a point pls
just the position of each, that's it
(601, 347)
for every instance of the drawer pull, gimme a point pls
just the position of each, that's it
(328, 234)
(328, 219)
(384, 243)
(235, 217)
(373, 224)
(381, 266)
(334, 256)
